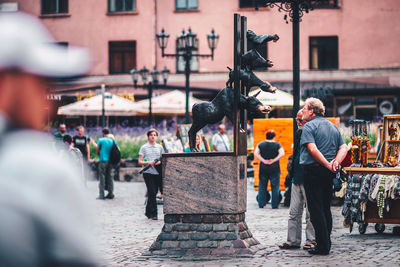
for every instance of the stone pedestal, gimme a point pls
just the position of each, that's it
(204, 206)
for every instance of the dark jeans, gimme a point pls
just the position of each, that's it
(318, 187)
(262, 189)
(152, 183)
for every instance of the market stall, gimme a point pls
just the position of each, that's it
(372, 190)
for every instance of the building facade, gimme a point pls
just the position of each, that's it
(348, 48)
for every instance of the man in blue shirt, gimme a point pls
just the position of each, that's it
(104, 145)
(322, 149)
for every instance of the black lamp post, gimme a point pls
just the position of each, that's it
(187, 43)
(296, 10)
(149, 85)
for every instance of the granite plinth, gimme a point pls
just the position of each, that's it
(204, 235)
(204, 206)
(204, 184)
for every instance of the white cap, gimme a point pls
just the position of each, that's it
(26, 44)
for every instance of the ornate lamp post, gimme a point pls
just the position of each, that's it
(187, 43)
(296, 10)
(149, 85)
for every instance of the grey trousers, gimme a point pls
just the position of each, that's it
(297, 202)
(105, 179)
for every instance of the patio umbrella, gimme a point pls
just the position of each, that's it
(113, 105)
(171, 103)
(278, 99)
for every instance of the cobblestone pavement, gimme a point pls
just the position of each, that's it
(125, 233)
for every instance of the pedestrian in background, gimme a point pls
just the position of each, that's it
(42, 204)
(150, 154)
(61, 131)
(197, 145)
(298, 199)
(74, 154)
(269, 153)
(220, 140)
(81, 142)
(103, 147)
(322, 149)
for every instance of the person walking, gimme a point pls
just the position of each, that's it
(81, 142)
(44, 217)
(104, 145)
(298, 199)
(150, 154)
(220, 140)
(322, 149)
(269, 153)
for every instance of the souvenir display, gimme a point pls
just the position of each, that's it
(391, 128)
(372, 192)
(359, 142)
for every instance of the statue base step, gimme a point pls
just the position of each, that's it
(204, 235)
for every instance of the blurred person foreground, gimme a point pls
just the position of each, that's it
(43, 216)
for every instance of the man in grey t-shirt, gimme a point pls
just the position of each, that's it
(322, 150)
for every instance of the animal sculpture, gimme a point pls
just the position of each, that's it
(222, 105)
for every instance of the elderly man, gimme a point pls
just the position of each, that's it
(322, 150)
(42, 203)
(298, 198)
(220, 140)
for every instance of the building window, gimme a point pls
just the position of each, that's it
(324, 53)
(54, 6)
(247, 3)
(180, 61)
(325, 4)
(186, 4)
(121, 5)
(122, 56)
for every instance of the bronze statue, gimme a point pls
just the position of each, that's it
(249, 79)
(222, 105)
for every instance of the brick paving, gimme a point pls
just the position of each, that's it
(125, 234)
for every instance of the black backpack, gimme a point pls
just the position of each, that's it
(115, 154)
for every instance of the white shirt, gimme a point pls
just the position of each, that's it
(221, 142)
(151, 153)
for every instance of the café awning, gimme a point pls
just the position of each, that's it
(113, 105)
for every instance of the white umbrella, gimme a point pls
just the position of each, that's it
(171, 103)
(278, 99)
(113, 105)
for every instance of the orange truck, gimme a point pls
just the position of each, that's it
(284, 135)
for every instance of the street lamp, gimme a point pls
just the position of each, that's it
(143, 73)
(187, 42)
(165, 73)
(296, 10)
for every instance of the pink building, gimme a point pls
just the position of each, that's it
(347, 46)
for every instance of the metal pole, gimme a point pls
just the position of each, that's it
(187, 58)
(150, 88)
(103, 90)
(296, 64)
(236, 84)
